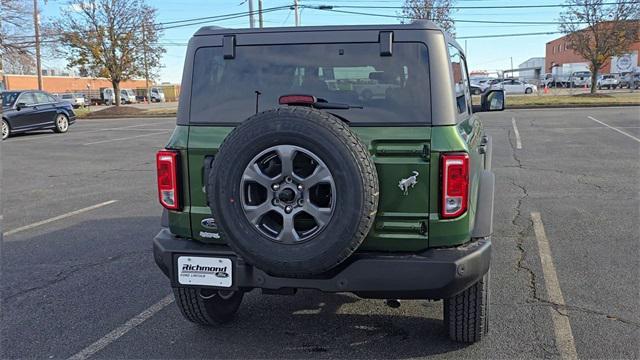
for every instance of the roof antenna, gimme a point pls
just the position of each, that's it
(258, 93)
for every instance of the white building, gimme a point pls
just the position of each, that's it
(532, 69)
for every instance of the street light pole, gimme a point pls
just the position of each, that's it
(295, 9)
(36, 26)
(260, 21)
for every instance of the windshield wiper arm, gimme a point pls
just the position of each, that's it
(336, 106)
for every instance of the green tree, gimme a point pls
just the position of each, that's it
(597, 31)
(438, 11)
(111, 38)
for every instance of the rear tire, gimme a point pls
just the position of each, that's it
(207, 307)
(528, 90)
(466, 315)
(6, 129)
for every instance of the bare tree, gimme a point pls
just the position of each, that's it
(15, 25)
(597, 31)
(438, 11)
(20, 63)
(106, 38)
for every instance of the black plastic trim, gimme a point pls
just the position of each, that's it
(483, 226)
(432, 274)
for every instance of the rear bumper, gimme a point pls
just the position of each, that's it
(433, 274)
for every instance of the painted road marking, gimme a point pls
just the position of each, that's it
(56, 218)
(126, 138)
(71, 132)
(515, 131)
(123, 329)
(615, 129)
(561, 325)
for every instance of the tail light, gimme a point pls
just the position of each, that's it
(168, 190)
(297, 100)
(455, 184)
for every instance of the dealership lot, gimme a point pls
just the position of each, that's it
(78, 278)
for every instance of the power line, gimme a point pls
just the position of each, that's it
(472, 6)
(454, 20)
(507, 35)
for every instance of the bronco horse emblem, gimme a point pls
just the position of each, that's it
(410, 181)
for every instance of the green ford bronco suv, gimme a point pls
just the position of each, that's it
(338, 158)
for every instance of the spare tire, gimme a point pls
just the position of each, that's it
(293, 190)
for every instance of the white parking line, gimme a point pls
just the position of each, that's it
(561, 325)
(515, 131)
(39, 137)
(615, 129)
(123, 329)
(126, 138)
(56, 218)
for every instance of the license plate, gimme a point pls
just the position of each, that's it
(207, 271)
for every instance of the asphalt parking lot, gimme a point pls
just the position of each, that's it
(78, 277)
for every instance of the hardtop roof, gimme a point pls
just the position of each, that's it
(415, 25)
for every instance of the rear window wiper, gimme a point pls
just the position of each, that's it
(312, 101)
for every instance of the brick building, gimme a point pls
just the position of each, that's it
(558, 53)
(62, 84)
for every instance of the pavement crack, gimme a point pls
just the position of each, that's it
(64, 274)
(563, 308)
(582, 180)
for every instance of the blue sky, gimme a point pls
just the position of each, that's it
(483, 54)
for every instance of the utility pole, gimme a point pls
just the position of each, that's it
(146, 63)
(252, 21)
(36, 26)
(511, 66)
(260, 21)
(295, 9)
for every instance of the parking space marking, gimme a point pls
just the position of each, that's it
(613, 128)
(71, 132)
(515, 131)
(123, 329)
(56, 218)
(126, 138)
(561, 325)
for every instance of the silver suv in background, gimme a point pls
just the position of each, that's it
(608, 81)
(76, 100)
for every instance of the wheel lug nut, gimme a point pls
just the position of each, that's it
(288, 209)
(275, 186)
(300, 202)
(288, 179)
(300, 187)
(276, 202)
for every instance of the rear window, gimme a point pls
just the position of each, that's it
(390, 89)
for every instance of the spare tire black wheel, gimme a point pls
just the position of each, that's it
(293, 190)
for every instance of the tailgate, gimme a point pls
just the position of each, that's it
(402, 220)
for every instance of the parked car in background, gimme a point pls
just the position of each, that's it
(76, 100)
(157, 94)
(477, 89)
(127, 96)
(607, 81)
(29, 110)
(513, 86)
(630, 80)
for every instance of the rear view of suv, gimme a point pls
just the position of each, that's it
(284, 174)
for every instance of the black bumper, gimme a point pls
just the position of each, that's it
(433, 274)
